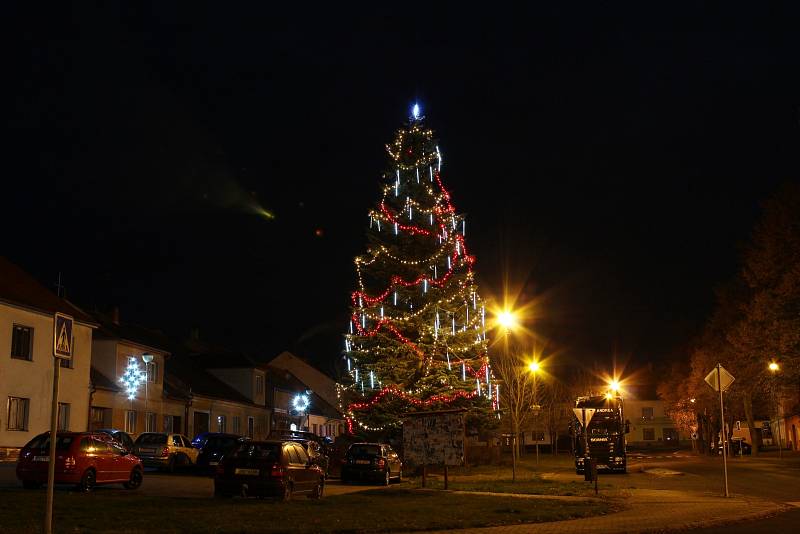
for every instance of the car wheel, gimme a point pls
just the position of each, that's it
(387, 478)
(287, 492)
(135, 480)
(88, 480)
(31, 484)
(317, 493)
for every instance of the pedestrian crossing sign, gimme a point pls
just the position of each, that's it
(62, 336)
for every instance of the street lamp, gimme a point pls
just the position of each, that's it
(507, 320)
(147, 359)
(774, 368)
(534, 368)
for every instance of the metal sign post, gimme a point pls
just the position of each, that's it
(62, 350)
(720, 379)
(584, 415)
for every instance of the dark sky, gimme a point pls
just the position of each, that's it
(610, 160)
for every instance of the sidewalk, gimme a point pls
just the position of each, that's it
(652, 511)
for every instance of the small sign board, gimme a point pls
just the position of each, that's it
(589, 413)
(724, 377)
(434, 438)
(62, 336)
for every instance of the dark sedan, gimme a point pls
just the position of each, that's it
(268, 469)
(376, 462)
(213, 447)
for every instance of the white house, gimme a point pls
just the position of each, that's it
(26, 360)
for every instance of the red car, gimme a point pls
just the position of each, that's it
(82, 458)
(268, 469)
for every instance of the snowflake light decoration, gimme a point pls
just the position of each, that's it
(132, 378)
(301, 402)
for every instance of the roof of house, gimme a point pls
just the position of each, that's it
(99, 380)
(210, 356)
(184, 376)
(133, 333)
(20, 288)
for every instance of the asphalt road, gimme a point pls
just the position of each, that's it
(185, 484)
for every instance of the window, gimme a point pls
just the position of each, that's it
(22, 342)
(149, 422)
(251, 423)
(130, 421)
(259, 384)
(168, 423)
(301, 454)
(152, 372)
(63, 416)
(177, 441)
(237, 424)
(18, 413)
(291, 453)
(221, 423)
(314, 426)
(647, 413)
(649, 434)
(100, 418)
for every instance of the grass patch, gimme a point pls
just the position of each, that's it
(530, 484)
(384, 510)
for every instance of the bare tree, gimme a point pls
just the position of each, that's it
(516, 393)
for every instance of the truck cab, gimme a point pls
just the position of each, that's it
(605, 436)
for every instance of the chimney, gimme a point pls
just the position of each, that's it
(115, 315)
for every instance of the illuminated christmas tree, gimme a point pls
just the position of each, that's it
(417, 333)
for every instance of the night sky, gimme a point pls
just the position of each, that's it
(611, 161)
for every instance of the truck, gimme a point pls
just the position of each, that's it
(606, 434)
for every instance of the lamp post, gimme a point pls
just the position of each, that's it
(507, 320)
(147, 359)
(534, 369)
(774, 368)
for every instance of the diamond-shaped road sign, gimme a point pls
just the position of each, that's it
(62, 336)
(579, 413)
(724, 377)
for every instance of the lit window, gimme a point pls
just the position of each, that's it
(18, 409)
(63, 416)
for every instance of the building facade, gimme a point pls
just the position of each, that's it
(26, 361)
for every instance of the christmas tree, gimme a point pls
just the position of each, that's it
(417, 333)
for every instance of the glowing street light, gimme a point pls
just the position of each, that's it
(534, 367)
(507, 319)
(774, 368)
(614, 386)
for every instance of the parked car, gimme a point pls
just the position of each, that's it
(164, 450)
(213, 446)
(268, 469)
(82, 458)
(315, 453)
(371, 461)
(122, 437)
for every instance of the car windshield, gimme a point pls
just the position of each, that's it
(43, 442)
(151, 439)
(374, 450)
(258, 450)
(220, 442)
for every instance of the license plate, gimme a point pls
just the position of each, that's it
(41, 458)
(363, 462)
(147, 451)
(213, 463)
(241, 471)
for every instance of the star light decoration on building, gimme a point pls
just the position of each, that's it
(132, 378)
